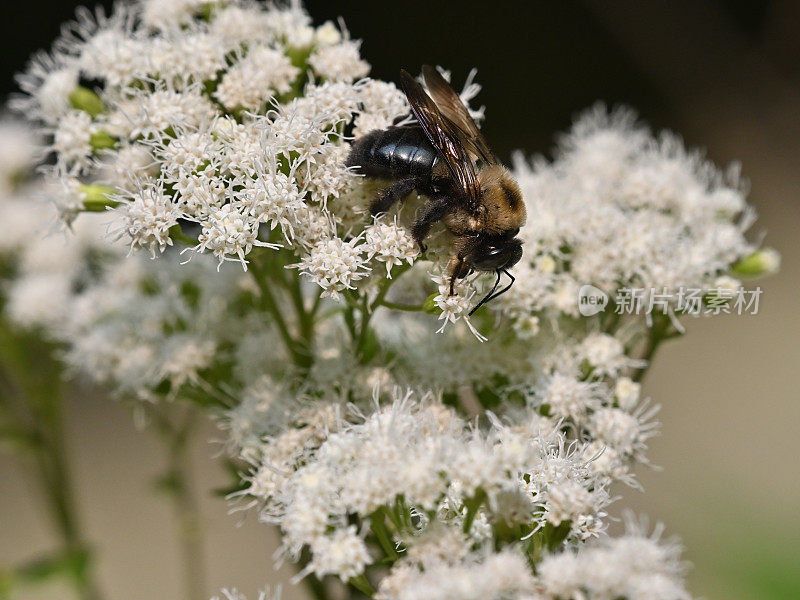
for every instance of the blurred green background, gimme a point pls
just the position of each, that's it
(724, 74)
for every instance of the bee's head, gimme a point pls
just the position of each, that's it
(495, 253)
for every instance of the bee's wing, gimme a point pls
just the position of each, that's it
(445, 138)
(452, 108)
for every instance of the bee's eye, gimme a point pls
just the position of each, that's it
(491, 258)
(501, 256)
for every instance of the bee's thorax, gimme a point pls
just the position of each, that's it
(501, 200)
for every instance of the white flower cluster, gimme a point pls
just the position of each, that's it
(42, 268)
(478, 576)
(619, 208)
(234, 594)
(438, 492)
(416, 457)
(218, 121)
(439, 496)
(18, 154)
(224, 127)
(147, 328)
(634, 566)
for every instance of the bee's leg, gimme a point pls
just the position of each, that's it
(454, 273)
(433, 210)
(459, 266)
(393, 193)
(458, 269)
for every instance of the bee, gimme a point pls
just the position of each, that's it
(446, 159)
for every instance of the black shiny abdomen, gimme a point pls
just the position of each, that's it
(394, 153)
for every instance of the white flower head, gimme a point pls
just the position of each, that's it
(390, 244)
(604, 353)
(148, 217)
(255, 78)
(456, 306)
(342, 553)
(169, 14)
(73, 140)
(335, 265)
(166, 108)
(48, 82)
(230, 234)
(627, 392)
(340, 62)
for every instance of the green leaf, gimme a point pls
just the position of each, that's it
(362, 584)
(72, 563)
(554, 535)
(15, 438)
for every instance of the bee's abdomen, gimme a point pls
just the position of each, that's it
(394, 152)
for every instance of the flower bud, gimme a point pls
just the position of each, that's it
(101, 140)
(86, 100)
(761, 262)
(95, 197)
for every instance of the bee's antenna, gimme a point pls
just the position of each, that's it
(491, 295)
(505, 289)
(488, 296)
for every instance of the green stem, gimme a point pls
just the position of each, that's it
(304, 317)
(378, 525)
(301, 359)
(473, 505)
(659, 332)
(176, 233)
(181, 487)
(367, 310)
(350, 321)
(33, 403)
(403, 307)
(362, 584)
(314, 586)
(366, 316)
